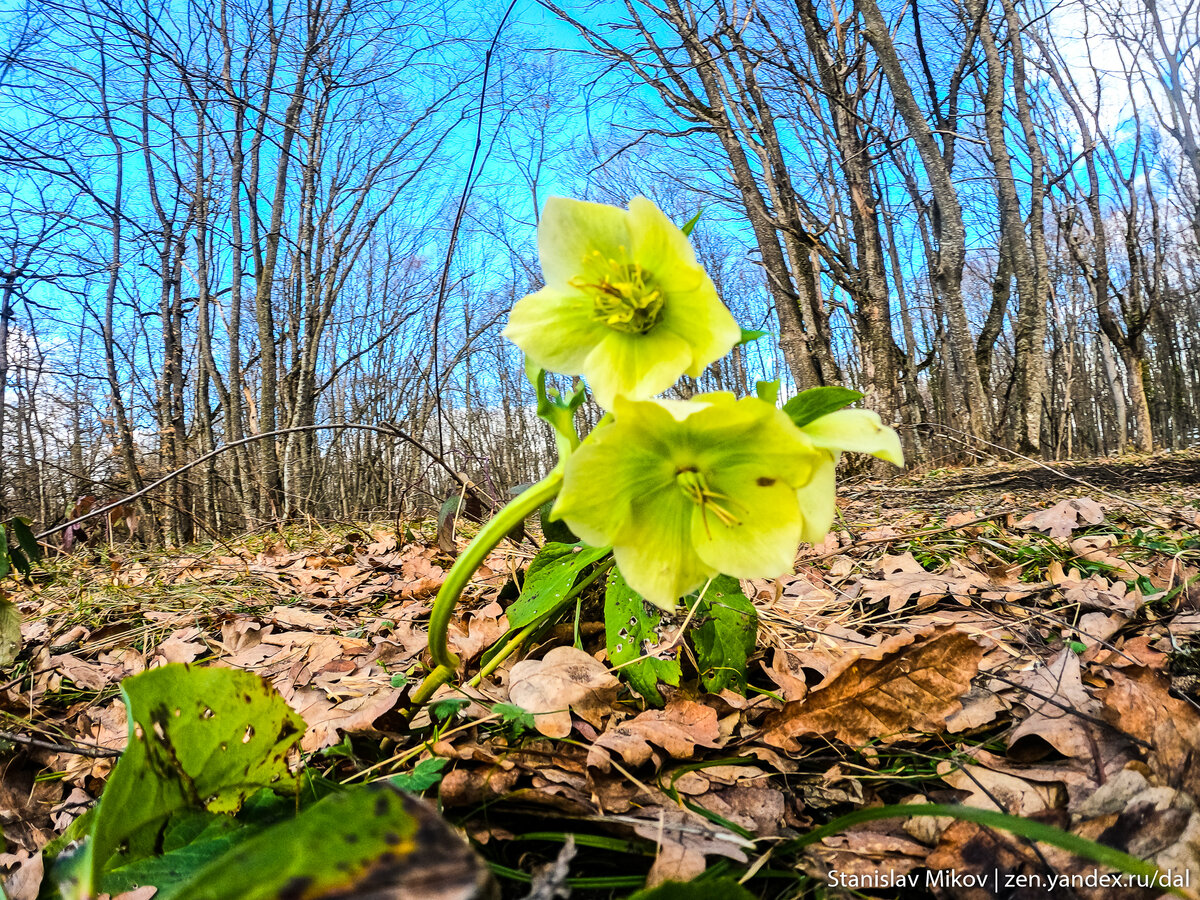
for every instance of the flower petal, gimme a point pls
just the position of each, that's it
(817, 500)
(570, 231)
(857, 430)
(611, 469)
(751, 432)
(695, 312)
(762, 544)
(555, 329)
(635, 365)
(655, 556)
(657, 241)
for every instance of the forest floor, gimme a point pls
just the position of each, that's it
(1010, 637)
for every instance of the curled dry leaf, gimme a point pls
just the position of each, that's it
(677, 729)
(911, 682)
(565, 678)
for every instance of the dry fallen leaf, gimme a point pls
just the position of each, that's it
(1060, 708)
(1063, 517)
(24, 874)
(911, 682)
(1139, 703)
(684, 840)
(677, 729)
(565, 678)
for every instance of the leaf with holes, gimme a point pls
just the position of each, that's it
(726, 635)
(631, 629)
(200, 739)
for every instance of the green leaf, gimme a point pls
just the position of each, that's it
(726, 635)
(19, 562)
(511, 714)
(447, 708)
(25, 539)
(10, 633)
(555, 530)
(199, 739)
(558, 413)
(550, 576)
(749, 337)
(690, 224)
(424, 775)
(368, 840)
(817, 402)
(191, 840)
(5, 566)
(725, 888)
(629, 622)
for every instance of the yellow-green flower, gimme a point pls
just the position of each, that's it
(686, 490)
(856, 430)
(625, 303)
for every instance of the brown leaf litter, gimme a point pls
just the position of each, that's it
(1023, 653)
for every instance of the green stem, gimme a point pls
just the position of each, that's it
(514, 643)
(463, 570)
(461, 573)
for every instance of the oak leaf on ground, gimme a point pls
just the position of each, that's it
(1139, 703)
(1063, 517)
(911, 682)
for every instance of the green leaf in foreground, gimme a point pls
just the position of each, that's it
(371, 840)
(200, 739)
(726, 635)
(819, 401)
(550, 576)
(629, 623)
(10, 632)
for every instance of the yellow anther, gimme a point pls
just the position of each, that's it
(695, 487)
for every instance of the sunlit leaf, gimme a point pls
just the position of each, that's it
(550, 576)
(199, 739)
(819, 401)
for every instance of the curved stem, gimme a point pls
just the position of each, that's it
(464, 567)
(515, 642)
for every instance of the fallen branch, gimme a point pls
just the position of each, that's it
(89, 750)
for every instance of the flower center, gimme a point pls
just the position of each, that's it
(623, 293)
(695, 487)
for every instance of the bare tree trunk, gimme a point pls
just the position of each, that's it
(949, 229)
